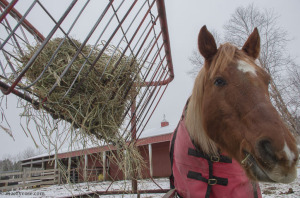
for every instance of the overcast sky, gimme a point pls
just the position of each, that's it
(185, 18)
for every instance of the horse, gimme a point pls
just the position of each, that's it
(230, 136)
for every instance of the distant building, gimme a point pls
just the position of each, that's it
(92, 164)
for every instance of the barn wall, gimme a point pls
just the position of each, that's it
(145, 154)
(160, 159)
(95, 167)
(80, 169)
(49, 165)
(114, 173)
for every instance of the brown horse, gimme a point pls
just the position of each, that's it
(230, 112)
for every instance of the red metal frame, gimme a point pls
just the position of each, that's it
(6, 89)
(162, 74)
(164, 28)
(14, 13)
(165, 34)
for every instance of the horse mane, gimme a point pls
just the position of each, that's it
(226, 54)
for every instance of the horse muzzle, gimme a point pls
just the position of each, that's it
(270, 166)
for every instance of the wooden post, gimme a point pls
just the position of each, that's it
(43, 164)
(104, 165)
(69, 168)
(59, 176)
(31, 165)
(150, 159)
(126, 165)
(85, 167)
(78, 164)
(56, 167)
(24, 177)
(55, 162)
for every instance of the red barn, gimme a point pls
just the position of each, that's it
(92, 164)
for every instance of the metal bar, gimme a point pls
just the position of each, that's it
(18, 24)
(9, 90)
(148, 100)
(7, 9)
(147, 88)
(35, 103)
(153, 110)
(6, 27)
(19, 94)
(132, 83)
(124, 36)
(104, 47)
(95, 45)
(165, 34)
(145, 103)
(14, 13)
(81, 47)
(9, 64)
(152, 16)
(150, 96)
(117, 63)
(59, 46)
(14, 40)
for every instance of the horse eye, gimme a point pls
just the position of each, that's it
(220, 82)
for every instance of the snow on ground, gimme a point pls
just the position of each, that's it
(268, 190)
(82, 188)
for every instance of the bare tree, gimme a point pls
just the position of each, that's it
(294, 89)
(6, 165)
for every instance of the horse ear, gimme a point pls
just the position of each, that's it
(252, 45)
(206, 43)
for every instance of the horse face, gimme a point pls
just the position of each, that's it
(238, 116)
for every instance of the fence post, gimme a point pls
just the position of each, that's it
(24, 177)
(85, 167)
(104, 165)
(150, 159)
(69, 169)
(59, 176)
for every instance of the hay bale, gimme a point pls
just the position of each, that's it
(99, 104)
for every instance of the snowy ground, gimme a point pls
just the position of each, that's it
(268, 190)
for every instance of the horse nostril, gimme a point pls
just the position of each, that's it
(266, 151)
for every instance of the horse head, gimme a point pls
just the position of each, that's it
(230, 111)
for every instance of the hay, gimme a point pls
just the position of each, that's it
(98, 105)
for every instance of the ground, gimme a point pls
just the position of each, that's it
(268, 190)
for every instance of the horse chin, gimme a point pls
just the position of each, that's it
(258, 172)
(254, 171)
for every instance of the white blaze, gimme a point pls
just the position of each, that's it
(246, 67)
(289, 154)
